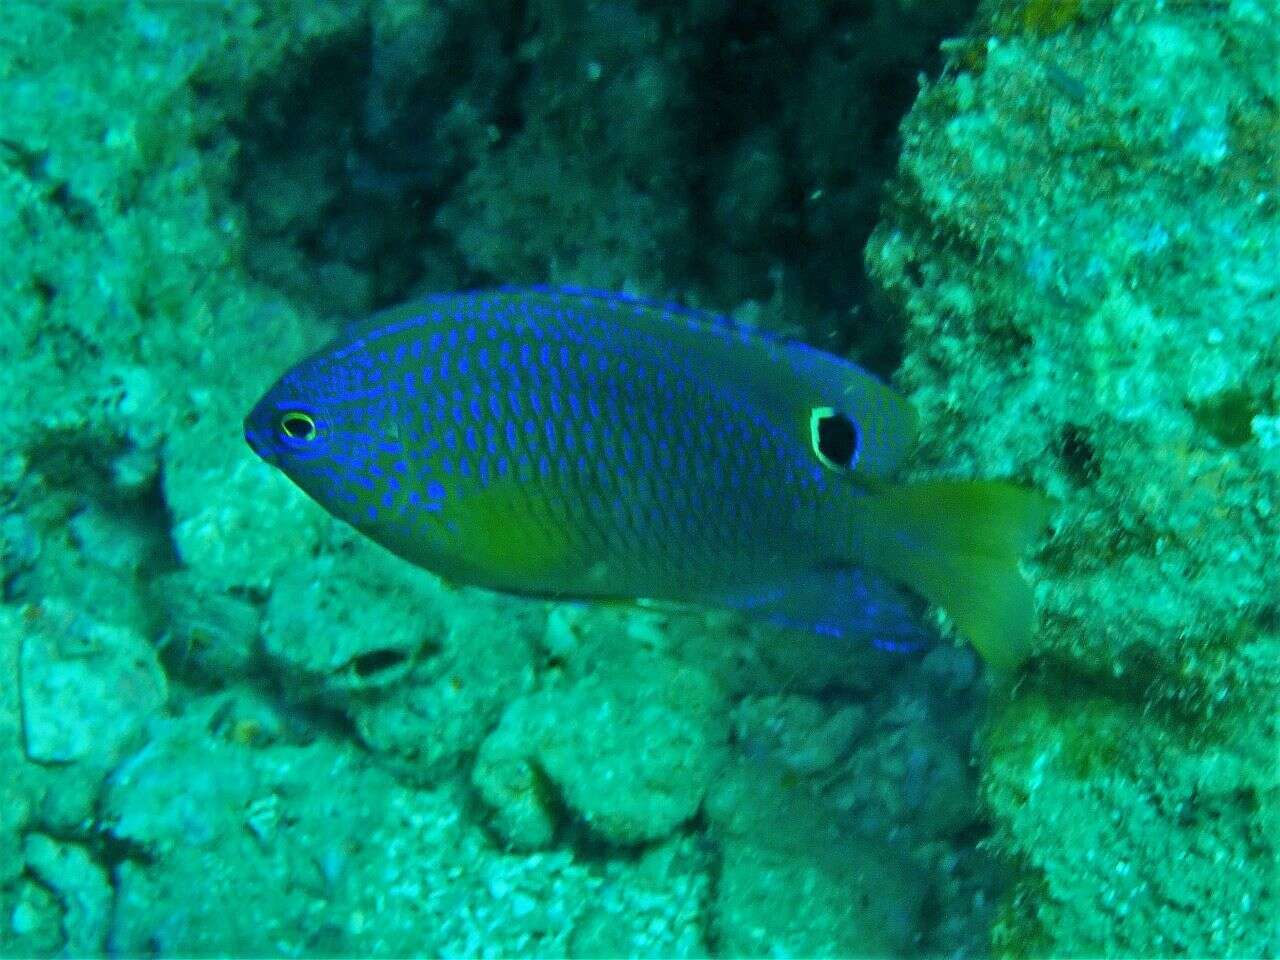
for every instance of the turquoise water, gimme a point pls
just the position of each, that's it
(231, 725)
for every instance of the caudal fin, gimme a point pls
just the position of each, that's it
(957, 543)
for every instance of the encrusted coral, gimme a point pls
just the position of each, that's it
(1082, 237)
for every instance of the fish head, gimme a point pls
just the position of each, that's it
(307, 427)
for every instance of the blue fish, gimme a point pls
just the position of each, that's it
(573, 444)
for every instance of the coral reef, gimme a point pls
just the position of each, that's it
(229, 725)
(1082, 236)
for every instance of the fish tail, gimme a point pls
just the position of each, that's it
(957, 543)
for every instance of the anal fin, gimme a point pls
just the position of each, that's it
(845, 603)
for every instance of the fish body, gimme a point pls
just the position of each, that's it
(581, 445)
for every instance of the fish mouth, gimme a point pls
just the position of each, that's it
(257, 442)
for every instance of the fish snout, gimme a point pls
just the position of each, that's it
(257, 441)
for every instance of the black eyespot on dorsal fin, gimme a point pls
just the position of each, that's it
(836, 439)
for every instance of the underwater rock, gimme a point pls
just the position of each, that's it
(799, 732)
(659, 908)
(35, 926)
(476, 663)
(208, 634)
(523, 809)
(1082, 237)
(795, 880)
(87, 691)
(87, 688)
(19, 547)
(424, 673)
(950, 670)
(81, 886)
(627, 758)
(610, 214)
(261, 832)
(632, 772)
(17, 786)
(1126, 338)
(302, 850)
(769, 904)
(1130, 832)
(349, 621)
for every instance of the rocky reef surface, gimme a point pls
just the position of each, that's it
(1083, 234)
(231, 726)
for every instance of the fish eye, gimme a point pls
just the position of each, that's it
(836, 439)
(298, 426)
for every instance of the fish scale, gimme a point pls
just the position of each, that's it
(570, 443)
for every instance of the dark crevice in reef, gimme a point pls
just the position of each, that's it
(786, 122)
(828, 94)
(347, 153)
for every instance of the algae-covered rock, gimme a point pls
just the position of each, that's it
(35, 919)
(1082, 238)
(347, 621)
(1125, 341)
(472, 667)
(629, 756)
(799, 732)
(423, 672)
(18, 787)
(795, 880)
(260, 832)
(1126, 829)
(310, 849)
(208, 633)
(87, 689)
(81, 887)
